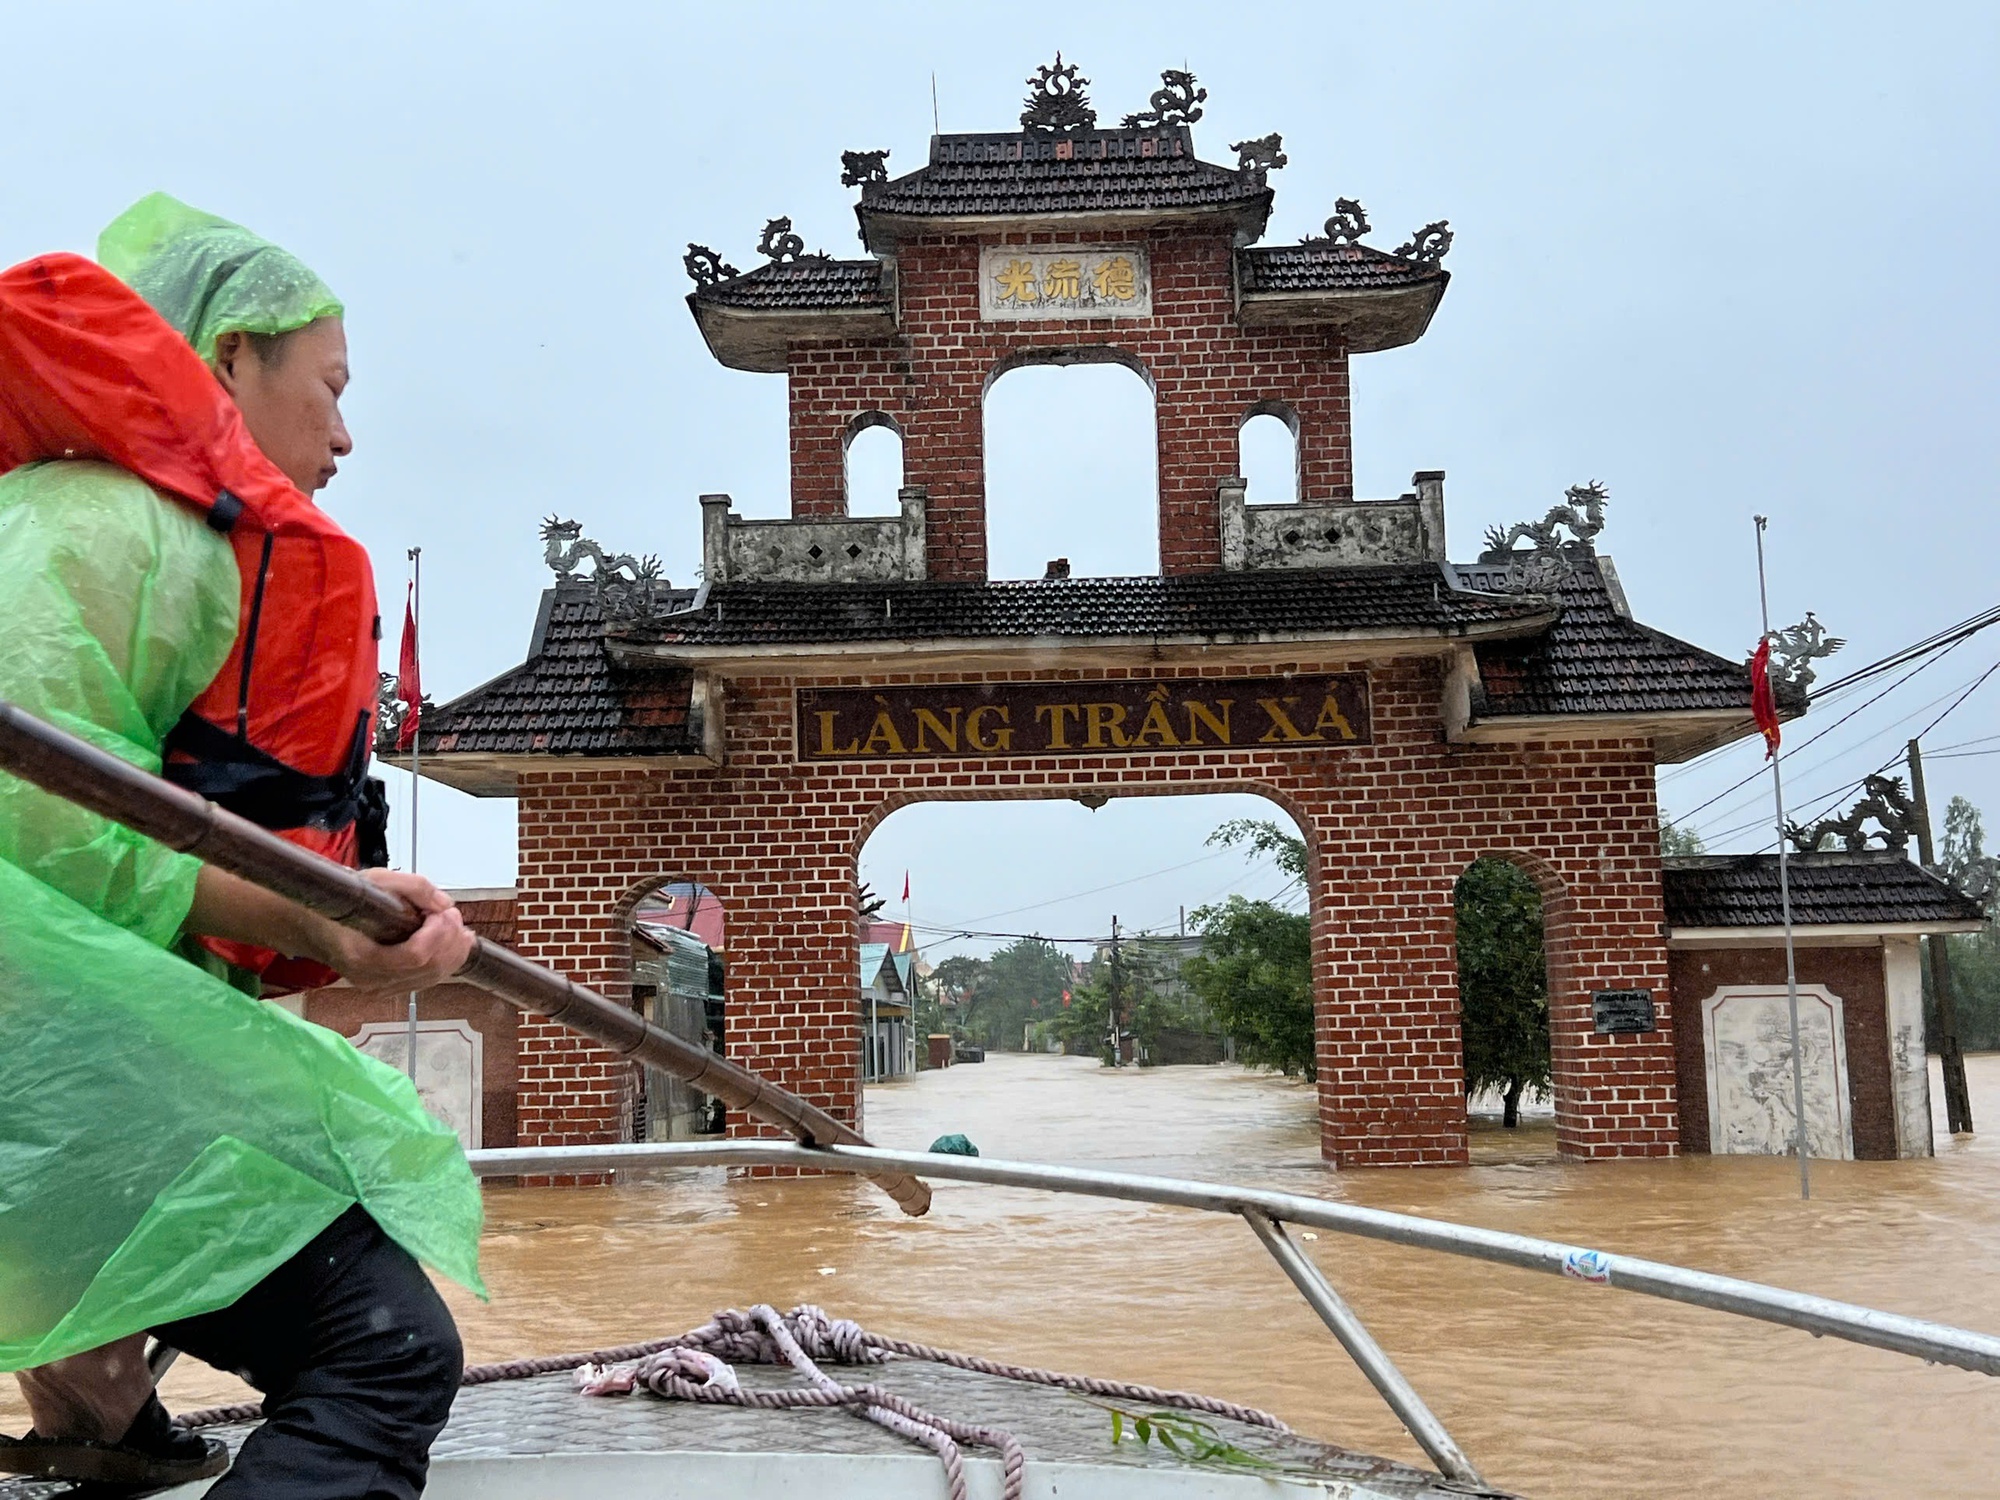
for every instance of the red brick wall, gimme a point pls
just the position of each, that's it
(1854, 974)
(1206, 372)
(1389, 826)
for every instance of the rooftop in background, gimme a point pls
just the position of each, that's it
(1131, 178)
(1872, 889)
(1062, 173)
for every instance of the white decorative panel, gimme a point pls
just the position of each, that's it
(1909, 1068)
(1746, 1033)
(1019, 282)
(450, 1057)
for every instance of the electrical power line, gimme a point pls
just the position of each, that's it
(1944, 640)
(1822, 734)
(1756, 797)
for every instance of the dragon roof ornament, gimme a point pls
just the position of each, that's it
(1545, 561)
(857, 167)
(626, 585)
(1883, 802)
(705, 267)
(1428, 245)
(1260, 156)
(1175, 102)
(1348, 224)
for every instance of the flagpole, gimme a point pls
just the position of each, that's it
(1785, 905)
(416, 772)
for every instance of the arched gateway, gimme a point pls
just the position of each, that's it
(1410, 713)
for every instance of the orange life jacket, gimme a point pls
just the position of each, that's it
(282, 735)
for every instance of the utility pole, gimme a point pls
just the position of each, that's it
(1116, 985)
(1957, 1099)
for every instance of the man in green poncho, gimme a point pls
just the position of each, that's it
(176, 1156)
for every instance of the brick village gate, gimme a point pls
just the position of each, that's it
(1410, 714)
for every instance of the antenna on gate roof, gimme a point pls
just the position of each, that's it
(936, 128)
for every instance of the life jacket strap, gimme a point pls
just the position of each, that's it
(254, 784)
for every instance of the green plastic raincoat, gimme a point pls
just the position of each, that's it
(166, 1141)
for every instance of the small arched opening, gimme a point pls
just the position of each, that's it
(872, 465)
(679, 948)
(1267, 448)
(1072, 465)
(1503, 990)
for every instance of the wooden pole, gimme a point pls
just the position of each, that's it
(78, 771)
(1957, 1098)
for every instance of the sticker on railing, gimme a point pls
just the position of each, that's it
(1588, 1265)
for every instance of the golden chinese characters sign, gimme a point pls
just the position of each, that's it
(978, 720)
(1073, 281)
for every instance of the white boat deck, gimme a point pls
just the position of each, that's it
(540, 1438)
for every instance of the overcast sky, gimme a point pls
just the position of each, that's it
(1726, 259)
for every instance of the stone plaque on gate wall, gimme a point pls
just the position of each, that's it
(978, 720)
(1019, 282)
(450, 1068)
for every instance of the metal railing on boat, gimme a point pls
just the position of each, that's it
(1267, 1214)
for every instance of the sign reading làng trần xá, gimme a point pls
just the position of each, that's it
(1072, 281)
(981, 720)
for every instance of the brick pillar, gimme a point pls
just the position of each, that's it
(1385, 984)
(791, 999)
(1615, 1095)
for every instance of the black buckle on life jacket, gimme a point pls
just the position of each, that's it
(254, 784)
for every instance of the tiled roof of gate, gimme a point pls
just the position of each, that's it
(1594, 660)
(810, 285)
(1020, 174)
(1323, 266)
(1873, 888)
(568, 698)
(1380, 599)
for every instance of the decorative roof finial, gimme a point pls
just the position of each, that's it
(1260, 157)
(1544, 563)
(1427, 246)
(1348, 224)
(1058, 101)
(1796, 647)
(857, 167)
(1175, 102)
(626, 585)
(1884, 800)
(705, 267)
(778, 243)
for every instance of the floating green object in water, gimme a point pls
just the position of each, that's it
(954, 1145)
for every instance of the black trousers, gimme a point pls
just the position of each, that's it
(358, 1360)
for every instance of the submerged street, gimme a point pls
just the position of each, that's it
(1556, 1389)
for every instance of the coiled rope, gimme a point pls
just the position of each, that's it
(696, 1367)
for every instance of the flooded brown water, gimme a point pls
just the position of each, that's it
(1555, 1388)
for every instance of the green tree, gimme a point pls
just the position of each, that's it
(1679, 840)
(1085, 1024)
(1286, 850)
(1254, 974)
(1019, 983)
(1502, 983)
(1975, 956)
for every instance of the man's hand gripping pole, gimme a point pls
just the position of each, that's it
(78, 771)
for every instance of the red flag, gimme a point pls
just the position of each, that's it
(408, 686)
(906, 885)
(1763, 708)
